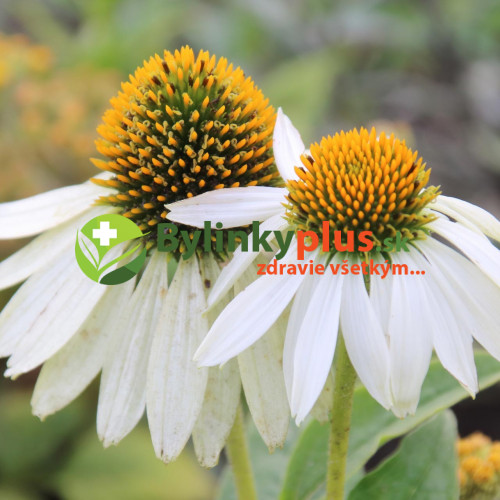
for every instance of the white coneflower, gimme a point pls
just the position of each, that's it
(357, 181)
(182, 125)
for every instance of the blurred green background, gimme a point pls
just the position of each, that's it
(428, 70)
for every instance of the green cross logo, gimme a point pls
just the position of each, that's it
(105, 241)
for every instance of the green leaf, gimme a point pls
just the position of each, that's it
(307, 468)
(423, 468)
(372, 426)
(269, 468)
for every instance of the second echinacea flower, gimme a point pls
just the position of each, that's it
(357, 181)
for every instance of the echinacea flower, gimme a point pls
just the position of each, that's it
(181, 126)
(479, 467)
(359, 181)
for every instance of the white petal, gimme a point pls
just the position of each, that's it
(381, 293)
(316, 343)
(410, 328)
(66, 374)
(241, 260)
(476, 248)
(364, 339)
(287, 146)
(467, 212)
(233, 207)
(45, 313)
(262, 377)
(176, 386)
(222, 397)
(249, 315)
(439, 210)
(122, 395)
(41, 212)
(210, 271)
(297, 315)
(44, 249)
(452, 342)
(478, 295)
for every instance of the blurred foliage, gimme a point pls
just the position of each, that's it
(431, 66)
(49, 115)
(428, 70)
(31, 451)
(131, 471)
(62, 458)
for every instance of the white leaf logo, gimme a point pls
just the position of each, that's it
(89, 249)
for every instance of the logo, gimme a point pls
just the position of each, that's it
(105, 241)
(169, 239)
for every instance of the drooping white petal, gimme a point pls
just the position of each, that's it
(176, 386)
(222, 395)
(232, 207)
(467, 212)
(364, 339)
(297, 314)
(316, 343)
(287, 146)
(478, 296)
(66, 374)
(44, 249)
(34, 215)
(262, 377)
(249, 315)
(381, 291)
(45, 313)
(217, 415)
(475, 247)
(322, 407)
(451, 339)
(241, 260)
(122, 394)
(410, 328)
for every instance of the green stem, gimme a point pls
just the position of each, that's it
(345, 378)
(239, 458)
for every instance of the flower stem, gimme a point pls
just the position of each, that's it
(239, 458)
(345, 378)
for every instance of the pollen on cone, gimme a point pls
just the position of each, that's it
(182, 125)
(358, 181)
